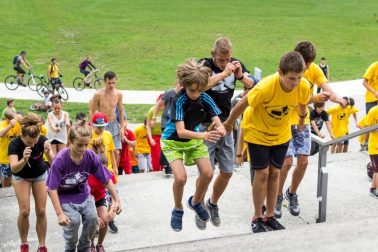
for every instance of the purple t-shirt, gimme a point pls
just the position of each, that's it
(71, 180)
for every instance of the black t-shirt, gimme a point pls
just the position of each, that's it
(38, 166)
(192, 112)
(318, 118)
(222, 92)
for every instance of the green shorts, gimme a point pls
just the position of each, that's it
(187, 151)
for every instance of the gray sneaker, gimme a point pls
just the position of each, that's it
(214, 215)
(374, 193)
(294, 208)
(200, 223)
(278, 208)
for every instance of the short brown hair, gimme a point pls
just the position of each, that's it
(9, 101)
(292, 62)
(319, 105)
(9, 114)
(307, 50)
(222, 45)
(30, 125)
(193, 72)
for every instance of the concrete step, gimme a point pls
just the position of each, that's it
(147, 200)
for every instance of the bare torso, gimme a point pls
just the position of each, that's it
(107, 102)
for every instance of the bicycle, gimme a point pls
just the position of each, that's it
(47, 84)
(39, 106)
(79, 84)
(13, 81)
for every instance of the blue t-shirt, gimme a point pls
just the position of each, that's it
(192, 112)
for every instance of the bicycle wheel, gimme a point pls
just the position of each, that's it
(33, 82)
(32, 107)
(63, 93)
(11, 82)
(41, 88)
(98, 84)
(78, 83)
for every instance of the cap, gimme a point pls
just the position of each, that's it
(99, 120)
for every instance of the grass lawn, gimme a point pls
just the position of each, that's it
(143, 41)
(135, 112)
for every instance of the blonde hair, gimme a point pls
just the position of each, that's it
(79, 129)
(9, 114)
(191, 73)
(30, 125)
(222, 45)
(98, 147)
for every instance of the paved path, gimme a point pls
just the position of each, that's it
(348, 88)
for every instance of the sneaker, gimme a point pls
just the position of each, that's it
(214, 215)
(100, 248)
(200, 223)
(278, 207)
(92, 248)
(24, 247)
(176, 220)
(113, 227)
(293, 203)
(273, 224)
(257, 226)
(42, 248)
(199, 209)
(167, 170)
(374, 193)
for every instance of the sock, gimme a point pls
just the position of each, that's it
(211, 204)
(178, 209)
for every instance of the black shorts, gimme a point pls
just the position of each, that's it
(263, 156)
(101, 202)
(19, 70)
(85, 72)
(55, 81)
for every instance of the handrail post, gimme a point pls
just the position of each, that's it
(322, 183)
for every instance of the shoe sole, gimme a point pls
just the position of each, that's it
(372, 195)
(176, 230)
(195, 219)
(191, 208)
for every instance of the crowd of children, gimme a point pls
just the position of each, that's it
(80, 162)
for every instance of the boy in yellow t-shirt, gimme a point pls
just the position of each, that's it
(9, 129)
(300, 144)
(268, 133)
(99, 121)
(54, 75)
(142, 148)
(340, 123)
(371, 119)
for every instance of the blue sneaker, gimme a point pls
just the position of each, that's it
(176, 220)
(202, 213)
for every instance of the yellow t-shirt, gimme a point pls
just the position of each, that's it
(142, 146)
(371, 75)
(371, 119)
(270, 116)
(43, 130)
(107, 139)
(314, 75)
(53, 70)
(340, 119)
(6, 139)
(156, 130)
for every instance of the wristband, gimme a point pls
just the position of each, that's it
(304, 116)
(241, 78)
(225, 75)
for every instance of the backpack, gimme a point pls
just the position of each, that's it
(15, 59)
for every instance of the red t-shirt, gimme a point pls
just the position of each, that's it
(124, 160)
(98, 189)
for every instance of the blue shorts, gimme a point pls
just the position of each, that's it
(300, 144)
(370, 105)
(5, 171)
(114, 128)
(40, 178)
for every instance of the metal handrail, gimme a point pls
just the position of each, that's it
(323, 170)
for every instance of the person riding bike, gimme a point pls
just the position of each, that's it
(54, 75)
(83, 65)
(17, 62)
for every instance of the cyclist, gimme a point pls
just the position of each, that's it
(83, 65)
(54, 75)
(17, 62)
